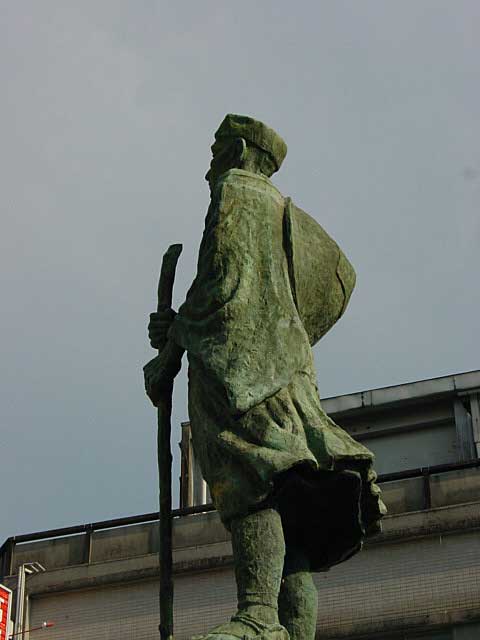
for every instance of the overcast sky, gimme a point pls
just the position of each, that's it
(107, 115)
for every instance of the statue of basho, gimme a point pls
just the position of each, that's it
(297, 493)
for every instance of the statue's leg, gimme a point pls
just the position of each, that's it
(259, 553)
(298, 600)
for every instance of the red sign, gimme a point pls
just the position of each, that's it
(5, 604)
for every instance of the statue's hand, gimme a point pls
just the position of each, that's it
(157, 378)
(158, 327)
(160, 372)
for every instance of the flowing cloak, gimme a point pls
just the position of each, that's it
(270, 282)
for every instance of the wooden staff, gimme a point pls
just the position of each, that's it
(164, 412)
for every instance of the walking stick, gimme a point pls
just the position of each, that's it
(164, 412)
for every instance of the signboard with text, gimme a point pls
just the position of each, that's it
(5, 606)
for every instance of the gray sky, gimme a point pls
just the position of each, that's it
(107, 116)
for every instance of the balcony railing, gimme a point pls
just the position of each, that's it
(8, 548)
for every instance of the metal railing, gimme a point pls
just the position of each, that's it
(8, 547)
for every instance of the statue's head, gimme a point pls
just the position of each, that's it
(244, 143)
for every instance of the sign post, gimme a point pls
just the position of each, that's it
(5, 607)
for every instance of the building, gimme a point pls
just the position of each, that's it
(419, 578)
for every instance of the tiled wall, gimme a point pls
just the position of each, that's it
(389, 586)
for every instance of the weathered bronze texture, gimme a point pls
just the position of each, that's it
(296, 491)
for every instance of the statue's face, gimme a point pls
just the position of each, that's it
(222, 160)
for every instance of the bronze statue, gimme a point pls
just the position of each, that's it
(296, 491)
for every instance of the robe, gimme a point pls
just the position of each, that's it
(270, 282)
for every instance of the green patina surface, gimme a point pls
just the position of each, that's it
(270, 283)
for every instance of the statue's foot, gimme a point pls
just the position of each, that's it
(245, 627)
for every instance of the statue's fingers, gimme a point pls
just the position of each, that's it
(158, 342)
(160, 323)
(158, 329)
(166, 314)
